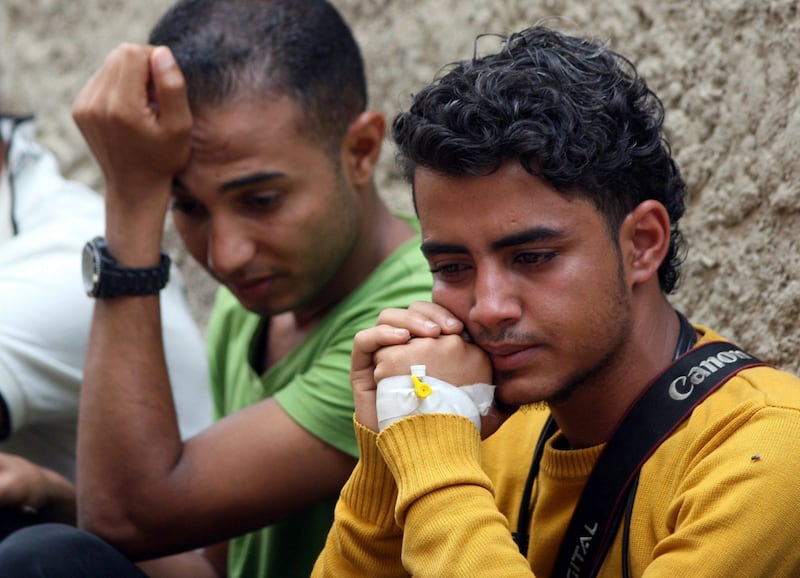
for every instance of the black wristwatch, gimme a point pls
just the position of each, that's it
(103, 277)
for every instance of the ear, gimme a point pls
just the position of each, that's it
(361, 147)
(644, 241)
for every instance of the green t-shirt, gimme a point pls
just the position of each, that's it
(312, 384)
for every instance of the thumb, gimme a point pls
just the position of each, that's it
(169, 90)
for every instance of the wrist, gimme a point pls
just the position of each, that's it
(134, 231)
(134, 243)
(365, 413)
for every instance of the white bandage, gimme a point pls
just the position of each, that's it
(398, 397)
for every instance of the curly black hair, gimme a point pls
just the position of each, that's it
(569, 110)
(270, 47)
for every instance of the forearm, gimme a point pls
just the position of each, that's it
(445, 505)
(135, 489)
(364, 539)
(128, 439)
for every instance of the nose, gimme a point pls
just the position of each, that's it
(495, 302)
(229, 248)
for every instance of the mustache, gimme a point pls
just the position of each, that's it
(484, 337)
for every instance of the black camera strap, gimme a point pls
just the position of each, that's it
(666, 402)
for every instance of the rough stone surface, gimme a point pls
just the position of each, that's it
(726, 70)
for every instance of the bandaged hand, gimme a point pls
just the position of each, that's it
(425, 334)
(451, 364)
(402, 396)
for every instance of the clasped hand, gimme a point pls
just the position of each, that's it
(427, 334)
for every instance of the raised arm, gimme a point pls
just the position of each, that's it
(140, 487)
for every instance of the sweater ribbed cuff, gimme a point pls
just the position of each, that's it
(371, 491)
(428, 452)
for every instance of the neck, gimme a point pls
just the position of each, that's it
(593, 411)
(382, 233)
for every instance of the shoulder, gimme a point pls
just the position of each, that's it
(760, 386)
(757, 411)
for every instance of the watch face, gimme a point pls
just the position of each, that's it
(90, 273)
(104, 278)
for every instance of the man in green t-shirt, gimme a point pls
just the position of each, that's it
(248, 120)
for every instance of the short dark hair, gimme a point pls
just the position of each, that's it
(571, 111)
(303, 49)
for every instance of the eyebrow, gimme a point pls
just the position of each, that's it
(535, 235)
(245, 181)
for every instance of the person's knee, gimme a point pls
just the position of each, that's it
(35, 550)
(55, 550)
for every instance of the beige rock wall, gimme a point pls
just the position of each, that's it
(727, 71)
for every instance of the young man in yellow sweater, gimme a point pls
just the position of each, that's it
(549, 205)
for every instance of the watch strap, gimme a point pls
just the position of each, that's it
(110, 279)
(118, 281)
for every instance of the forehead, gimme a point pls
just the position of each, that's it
(250, 134)
(247, 122)
(482, 209)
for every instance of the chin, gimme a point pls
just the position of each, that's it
(523, 390)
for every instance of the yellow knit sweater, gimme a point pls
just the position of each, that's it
(718, 498)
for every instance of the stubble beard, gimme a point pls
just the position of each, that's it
(616, 317)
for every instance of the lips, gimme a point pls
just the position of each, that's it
(252, 290)
(510, 357)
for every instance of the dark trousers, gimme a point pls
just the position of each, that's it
(61, 551)
(12, 519)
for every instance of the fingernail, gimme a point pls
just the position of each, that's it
(451, 322)
(430, 325)
(163, 59)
